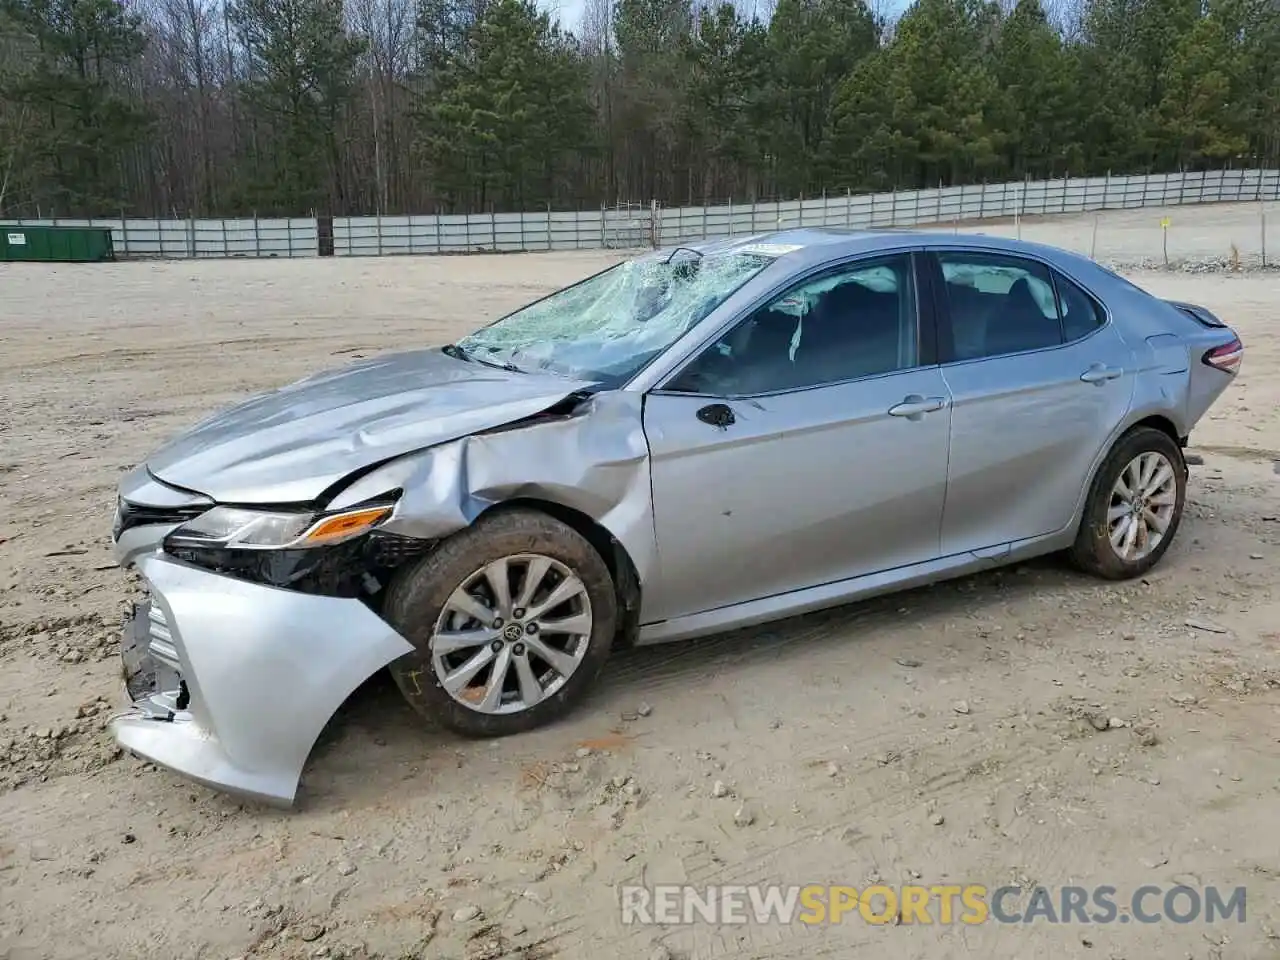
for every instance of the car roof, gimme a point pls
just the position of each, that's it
(808, 246)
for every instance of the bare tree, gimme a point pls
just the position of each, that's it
(388, 27)
(1067, 17)
(596, 29)
(186, 81)
(16, 139)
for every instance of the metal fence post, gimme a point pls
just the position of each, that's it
(603, 244)
(124, 233)
(848, 206)
(1262, 218)
(730, 216)
(548, 224)
(257, 242)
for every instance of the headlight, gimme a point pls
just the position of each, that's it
(234, 527)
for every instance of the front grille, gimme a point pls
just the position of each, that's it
(129, 515)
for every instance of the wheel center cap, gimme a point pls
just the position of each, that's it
(512, 632)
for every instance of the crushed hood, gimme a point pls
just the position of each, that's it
(294, 443)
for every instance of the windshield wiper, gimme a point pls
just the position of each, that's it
(461, 353)
(455, 351)
(697, 253)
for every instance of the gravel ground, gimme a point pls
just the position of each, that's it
(1023, 726)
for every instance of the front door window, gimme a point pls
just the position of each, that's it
(854, 322)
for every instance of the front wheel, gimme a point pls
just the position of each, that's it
(511, 620)
(1134, 506)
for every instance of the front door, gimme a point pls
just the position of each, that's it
(1039, 380)
(807, 445)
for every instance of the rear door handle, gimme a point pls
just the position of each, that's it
(1100, 374)
(915, 406)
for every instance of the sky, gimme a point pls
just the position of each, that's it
(568, 12)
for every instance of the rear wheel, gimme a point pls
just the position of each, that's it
(1134, 507)
(511, 620)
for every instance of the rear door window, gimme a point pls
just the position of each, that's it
(998, 304)
(1080, 314)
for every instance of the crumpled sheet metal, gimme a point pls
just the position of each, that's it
(595, 460)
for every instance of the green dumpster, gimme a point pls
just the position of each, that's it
(55, 244)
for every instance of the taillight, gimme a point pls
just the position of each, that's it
(1226, 357)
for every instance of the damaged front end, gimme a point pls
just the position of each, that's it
(266, 586)
(260, 622)
(231, 681)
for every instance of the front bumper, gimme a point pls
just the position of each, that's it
(231, 682)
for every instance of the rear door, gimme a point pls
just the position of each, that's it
(1039, 379)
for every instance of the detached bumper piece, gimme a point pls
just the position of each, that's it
(152, 671)
(231, 682)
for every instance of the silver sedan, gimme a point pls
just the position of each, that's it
(694, 440)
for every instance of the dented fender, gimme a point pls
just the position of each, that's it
(592, 458)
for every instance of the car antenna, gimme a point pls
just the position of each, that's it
(671, 256)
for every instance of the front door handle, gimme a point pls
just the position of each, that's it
(914, 407)
(1098, 373)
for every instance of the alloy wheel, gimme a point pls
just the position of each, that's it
(1141, 508)
(512, 634)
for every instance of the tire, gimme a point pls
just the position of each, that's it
(1093, 551)
(420, 595)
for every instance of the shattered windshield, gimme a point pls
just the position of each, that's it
(610, 325)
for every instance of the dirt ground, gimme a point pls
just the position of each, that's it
(1219, 234)
(947, 735)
